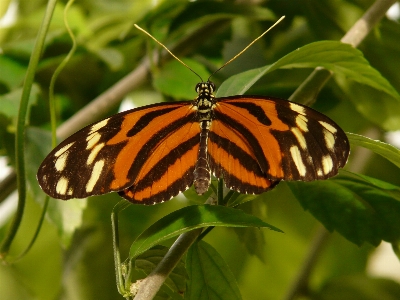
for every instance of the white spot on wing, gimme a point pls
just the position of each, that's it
(94, 153)
(92, 140)
(96, 172)
(327, 164)
(98, 125)
(329, 140)
(297, 108)
(62, 186)
(328, 126)
(301, 122)
(61, 162)
(300, 137)
(63, 149)
(296, 155)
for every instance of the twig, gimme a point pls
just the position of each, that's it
(152, 283)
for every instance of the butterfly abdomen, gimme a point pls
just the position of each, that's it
(202, 173)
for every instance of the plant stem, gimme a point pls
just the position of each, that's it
(20, 133)
(153, 282)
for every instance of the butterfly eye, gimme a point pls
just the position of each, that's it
(198, 86)
(211, 86)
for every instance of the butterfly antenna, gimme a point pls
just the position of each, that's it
(165, 47)
(248, 46)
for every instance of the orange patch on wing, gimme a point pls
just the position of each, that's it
(135, 143)
(261, 132)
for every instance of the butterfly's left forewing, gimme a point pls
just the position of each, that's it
(110, 155)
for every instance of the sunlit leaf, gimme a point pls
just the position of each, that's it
(192, 217)
(388, 151)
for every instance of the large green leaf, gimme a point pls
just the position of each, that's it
(360, 208)
(192, 217)
(345, 62)
(209, 275)
(334, 56)
(387, 151)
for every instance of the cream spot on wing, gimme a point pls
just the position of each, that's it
(298, 161)
(94, 153)
(329, 139)
(328, 126)
(61, 162)
(300, 137)
(98, 125)
(96, 172)
(327, 164)
(63, 149)
(92, 140)
(70, 191)
(319, 172)
(297, 108)
(62, 186)
(301, 122)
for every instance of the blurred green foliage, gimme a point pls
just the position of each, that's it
(73, 257)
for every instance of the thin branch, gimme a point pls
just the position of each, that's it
(152, 283)
(363, 26)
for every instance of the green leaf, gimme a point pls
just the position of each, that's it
(192, 217)
(176, 281)
(387, 151)
(10, 103)
(209, 275)
(12, 73)
(360, 287)
(345, 62)
(360, 208)
(207, 11)
(177, 81)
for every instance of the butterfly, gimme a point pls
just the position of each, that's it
(152, 153)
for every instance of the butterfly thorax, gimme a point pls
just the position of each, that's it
(204, 102)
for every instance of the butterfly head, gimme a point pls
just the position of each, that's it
(205, 87)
